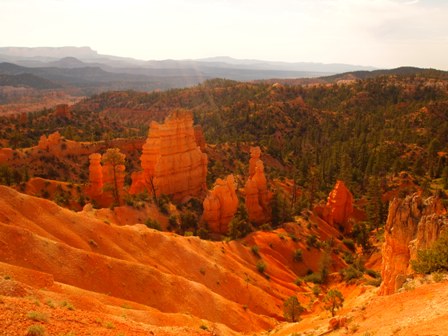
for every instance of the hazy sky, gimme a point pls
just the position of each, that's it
(383, 33)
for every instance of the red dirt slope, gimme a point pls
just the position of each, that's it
(214, 281)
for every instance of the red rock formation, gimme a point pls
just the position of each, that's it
(339, 207)
(258, 197)
(95, 188)
(220, 205)
(412, 224)
(52, 143)
(172, 162)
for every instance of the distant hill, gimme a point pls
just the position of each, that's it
(401, 71)
(154, 74)
(27, 80)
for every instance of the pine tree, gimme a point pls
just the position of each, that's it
(292, 309)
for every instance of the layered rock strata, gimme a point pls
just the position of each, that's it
(412, 224)
(258, 197)
(95, 188)
(172, 162)
(220, 205)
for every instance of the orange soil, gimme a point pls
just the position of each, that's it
(421, 311)
(131, 280)
(214, 281)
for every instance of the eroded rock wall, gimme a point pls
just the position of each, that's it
(413, 223)
(172, 162)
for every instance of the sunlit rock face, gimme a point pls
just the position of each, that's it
(172, 162)
(339, 207)
(220, 205)
(412, 224)
(258, 197)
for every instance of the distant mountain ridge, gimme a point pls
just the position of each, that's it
(86, 69)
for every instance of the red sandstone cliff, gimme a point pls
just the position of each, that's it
(412, 224)
(220, 205)
(172, 161)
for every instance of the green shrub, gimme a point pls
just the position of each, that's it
(261, 266)
(373, 274)
(163, 204)
(311, 241)
(255, 250)
(67, 305)
(297, 255)
(153, 224)
(315, 278)
(35, 330)
(375, 282)
(433, 259)
(37, 316)
(293, 237)
(351, 273)
(349, 243)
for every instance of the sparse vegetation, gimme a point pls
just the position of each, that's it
(37, 316)
(433, 259)
(153, 224)
(35, 330)
(333, 301)
(261, 266)
(255, 250)
(68, 305)
(292, 309)
(297, 255)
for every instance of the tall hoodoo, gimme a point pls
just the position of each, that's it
(220, 205)
(172, 161)
(339, 207)
(258, 197)
(95, 188)
(412, 224)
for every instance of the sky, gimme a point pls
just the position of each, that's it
(380, 33)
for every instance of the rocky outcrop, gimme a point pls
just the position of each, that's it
(339, 207)
(52, 143)
(258, 197)
(95, 187)
(220, 205)
(412, 224)
(172, 161)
